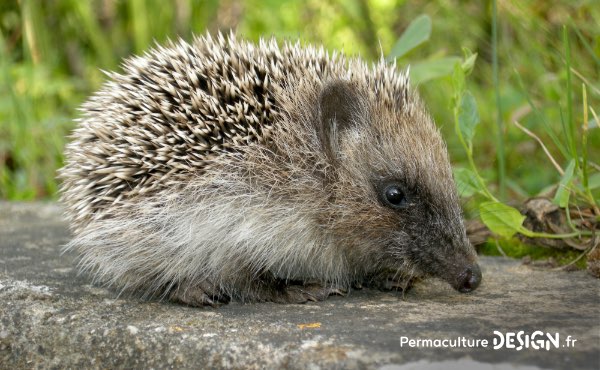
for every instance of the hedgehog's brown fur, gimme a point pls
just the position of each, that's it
(222, 169)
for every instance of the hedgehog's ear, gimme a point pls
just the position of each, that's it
(340, 106)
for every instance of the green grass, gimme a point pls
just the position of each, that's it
(516, 249)
(51, 54)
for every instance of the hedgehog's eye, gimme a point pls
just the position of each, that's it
(394, 197)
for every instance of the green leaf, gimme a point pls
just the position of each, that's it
(468, 116)
(561, 198)
(594, 181)
(432, 69)
(468, 61)
(501, 219)
(458, 82)
(466, 182)
(417, 32)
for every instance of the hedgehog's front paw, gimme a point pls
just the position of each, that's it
(197, 295)
(303, 293)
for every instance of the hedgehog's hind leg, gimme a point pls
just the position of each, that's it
(198, 294)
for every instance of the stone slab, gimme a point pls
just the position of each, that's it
(51, 317)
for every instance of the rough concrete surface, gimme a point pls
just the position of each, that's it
(53, 318)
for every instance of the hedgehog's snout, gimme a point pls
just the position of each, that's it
(469, 279)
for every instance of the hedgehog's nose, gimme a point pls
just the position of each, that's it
(469, 279)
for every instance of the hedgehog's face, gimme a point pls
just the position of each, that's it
(395, 177)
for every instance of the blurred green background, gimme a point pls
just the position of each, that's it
(52, 54)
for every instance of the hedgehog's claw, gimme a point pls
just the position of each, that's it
(392, 281)
(391, 284)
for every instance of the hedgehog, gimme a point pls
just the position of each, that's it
(220, 169)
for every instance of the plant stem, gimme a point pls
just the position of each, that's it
(468, 147)
(570, 131)
(480, 180)
(533, 234)
(584, 134)
(500, 155)
(536, 138)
